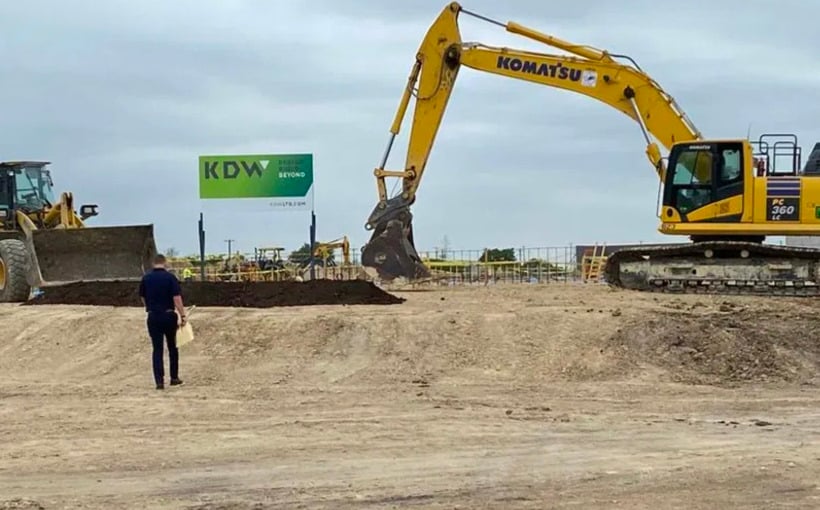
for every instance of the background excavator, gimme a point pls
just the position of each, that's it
(323, 251)
(726, 195)
(45, 242)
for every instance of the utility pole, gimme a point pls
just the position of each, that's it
(230, 243)
(445, 247)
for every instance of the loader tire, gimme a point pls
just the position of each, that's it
(13, 268)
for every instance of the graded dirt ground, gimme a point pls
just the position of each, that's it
(523, 396)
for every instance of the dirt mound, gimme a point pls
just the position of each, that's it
(498, 337)
(227, 294)
(724, 346)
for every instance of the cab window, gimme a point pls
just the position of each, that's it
(730, 169)
(693, 167)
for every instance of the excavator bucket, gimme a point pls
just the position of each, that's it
(60, 256)
(392, 254)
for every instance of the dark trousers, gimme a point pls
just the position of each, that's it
(163, 326)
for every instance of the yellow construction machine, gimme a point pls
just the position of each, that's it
(323, 251)
(269, 258)
(726, 195)
(45, 242)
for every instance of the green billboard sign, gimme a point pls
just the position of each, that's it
(255, 176)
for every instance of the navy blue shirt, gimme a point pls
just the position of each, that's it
(158, 288)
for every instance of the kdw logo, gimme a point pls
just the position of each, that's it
(233, 169)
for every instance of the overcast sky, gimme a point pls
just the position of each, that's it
(123, 96)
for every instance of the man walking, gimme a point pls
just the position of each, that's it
(161, 294)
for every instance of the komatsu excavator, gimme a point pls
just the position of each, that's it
(726, 195)
(44, 241)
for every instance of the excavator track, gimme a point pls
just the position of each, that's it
(717, 267)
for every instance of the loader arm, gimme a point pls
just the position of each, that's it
(63, 215)
(589, 71)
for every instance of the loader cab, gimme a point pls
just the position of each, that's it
(700, 174)
(26, 184)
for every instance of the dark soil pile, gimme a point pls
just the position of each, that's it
(226, 294)
(726, 347)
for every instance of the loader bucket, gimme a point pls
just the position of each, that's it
(60, 256)
(391, 253)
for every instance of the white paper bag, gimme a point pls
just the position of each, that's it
(185, 334)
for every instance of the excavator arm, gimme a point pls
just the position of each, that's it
(589, 71)
(323, 250)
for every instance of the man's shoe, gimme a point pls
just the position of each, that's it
(160, 386)
(176, 382)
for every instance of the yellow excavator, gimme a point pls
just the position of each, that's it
(44, 241)
(726, 195)
(323, 251)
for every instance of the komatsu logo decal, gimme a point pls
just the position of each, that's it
(587, 78)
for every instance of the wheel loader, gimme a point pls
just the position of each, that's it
(45, 242)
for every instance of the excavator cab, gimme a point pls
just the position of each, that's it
(713, 181)
(700, 174)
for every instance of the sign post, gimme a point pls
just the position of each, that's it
(201, 248)
(312, 260)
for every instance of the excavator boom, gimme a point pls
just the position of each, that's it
(592, 72)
